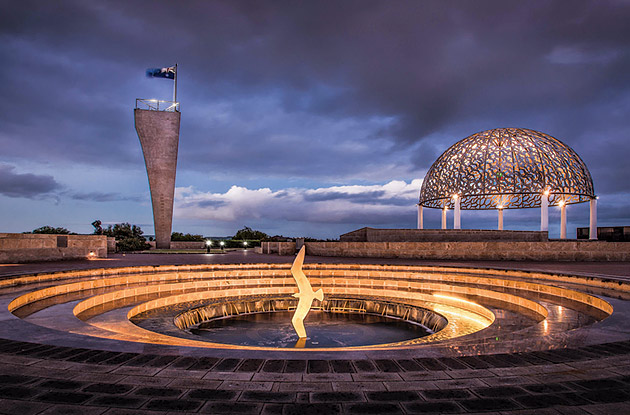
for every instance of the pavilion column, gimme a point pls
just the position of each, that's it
(500, 219)
(420, 218)
(544, 211)
(563, 220)
(457, 218)
(444, 217)
(593, 222)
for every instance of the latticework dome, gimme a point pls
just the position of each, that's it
(506, 168)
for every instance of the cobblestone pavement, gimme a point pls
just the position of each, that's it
(43, 379)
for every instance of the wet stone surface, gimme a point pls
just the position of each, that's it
(36, 378)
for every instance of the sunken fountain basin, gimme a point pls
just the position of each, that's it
(460, 310)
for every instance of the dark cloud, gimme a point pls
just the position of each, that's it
(210, 203)
(340, 91)
(427, 65)
(27, 185)
(362, 197)
(103, 197)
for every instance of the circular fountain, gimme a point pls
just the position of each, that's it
(368, 307)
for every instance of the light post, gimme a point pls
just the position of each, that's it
(245, 245)
(222, 243)
(208, 245)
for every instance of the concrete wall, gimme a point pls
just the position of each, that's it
(18, 247)
(111, 244)
(509, 251)
(440, 235)
(159, 136)
(182, 245)
(188, 245)
(280, 248)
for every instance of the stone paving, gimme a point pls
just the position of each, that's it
(43, 379)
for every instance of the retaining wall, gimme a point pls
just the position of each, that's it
(506, 251)
(18, 247)
(441, 235)
(280, 248)
(183, 244)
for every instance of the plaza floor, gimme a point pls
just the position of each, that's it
(41, 378)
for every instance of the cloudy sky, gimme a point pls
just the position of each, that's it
(302, 118)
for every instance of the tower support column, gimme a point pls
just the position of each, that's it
(158, 132)
(563, 220)
(420, 218)
(592, 233)
(444, 217)
(544, 211)
(500, 218)
(457, 218)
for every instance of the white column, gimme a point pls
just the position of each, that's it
(544, 211)
(500, 219)
(420, 218)
(457, 218)
(563, 221)
(593, 222)
(444, 217)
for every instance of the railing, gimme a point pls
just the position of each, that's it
(157, 105)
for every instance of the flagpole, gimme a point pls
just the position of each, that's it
(175, 87)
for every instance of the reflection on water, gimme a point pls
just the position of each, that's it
(324, 330)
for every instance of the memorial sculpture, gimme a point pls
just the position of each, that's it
(306, 295)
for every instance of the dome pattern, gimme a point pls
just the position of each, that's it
(506, 168)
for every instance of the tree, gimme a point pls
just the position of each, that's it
(178, 236)
(98, 229)
(128, 237)
(248, 233)
(50, 230)
(123, 230)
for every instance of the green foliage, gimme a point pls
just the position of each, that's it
(248, 233)
(178, 236)
(50, 230)
(277, 238)
(132, 244)
(128, 237)
(123, 230)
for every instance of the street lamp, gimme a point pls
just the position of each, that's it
(208, 245)
(245, 244)
(222, 243)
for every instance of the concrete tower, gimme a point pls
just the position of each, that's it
(159, 136)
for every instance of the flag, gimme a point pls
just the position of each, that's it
(168, 73)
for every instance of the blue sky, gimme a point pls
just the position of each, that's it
(300, 118)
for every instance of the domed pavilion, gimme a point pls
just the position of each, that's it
(508, 168)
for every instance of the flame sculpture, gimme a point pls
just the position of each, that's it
(306, 295)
